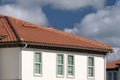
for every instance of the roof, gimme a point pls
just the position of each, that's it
(16, 30)
(113, 64)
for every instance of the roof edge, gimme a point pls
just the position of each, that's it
(65, 46)
(55, 46)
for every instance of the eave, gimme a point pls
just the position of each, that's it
(53, 47)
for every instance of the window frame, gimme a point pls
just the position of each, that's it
(71, 76)
(60, 76)
(112, 74)
(34, 63)
(91, 67)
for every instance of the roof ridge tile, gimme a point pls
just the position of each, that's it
(7, 30)
(12, 28)
(26, 31)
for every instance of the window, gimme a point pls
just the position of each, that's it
(111, 75)
(60, 66)
(70, 66)
(114, 75)
(90, 67)
(37, 63)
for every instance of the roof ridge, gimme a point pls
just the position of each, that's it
(25, 23)
(23, 29)
(5, 27)
(7, 32)
(59, 31)
(28, 24)
(12, 28)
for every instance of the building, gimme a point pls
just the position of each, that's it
(113, 70)
(31, 52)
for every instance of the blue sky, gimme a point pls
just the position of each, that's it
(61, 19)
(95, 19)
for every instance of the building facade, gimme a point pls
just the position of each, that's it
(113, 70)
(31, 52)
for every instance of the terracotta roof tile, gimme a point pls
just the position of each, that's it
(113, 64)
(19, 30)
(5, 30)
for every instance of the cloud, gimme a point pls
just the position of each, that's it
(113, 56)
(35, 16)
(104, 25)
(31, 10)
(63, 4)
(75, 4)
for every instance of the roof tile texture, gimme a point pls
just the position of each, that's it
(113, 64)
(28, 32)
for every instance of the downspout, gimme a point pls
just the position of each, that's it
(24, 46)
(20, 61)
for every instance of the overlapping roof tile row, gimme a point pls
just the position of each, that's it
(113, 64)
(16, 30)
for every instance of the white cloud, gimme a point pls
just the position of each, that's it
(75, 4)
(103, 25)
(113, 56)
(31, 10)
(63, 4)
(34, 16)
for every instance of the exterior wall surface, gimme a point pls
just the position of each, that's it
(49, 66)
(100, 70)
(9, 64)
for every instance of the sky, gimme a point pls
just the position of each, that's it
(95, 19)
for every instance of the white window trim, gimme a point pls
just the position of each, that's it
(92, 67)
(71, 76)
(34, 73)
(60, 76)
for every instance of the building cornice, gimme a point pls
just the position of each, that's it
(50, 47)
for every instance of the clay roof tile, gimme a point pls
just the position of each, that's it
(19, 30)
(112, 64)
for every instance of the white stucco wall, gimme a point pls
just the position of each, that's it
(17, 64)
(49, 66)
(9, 63)
(100, 71)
